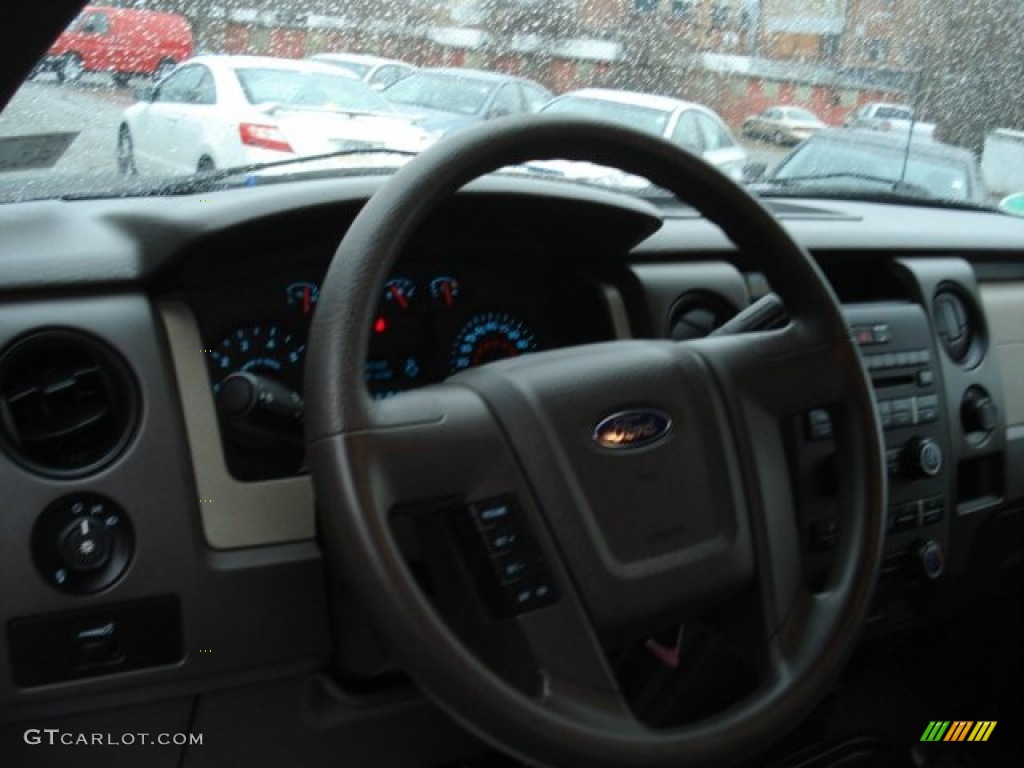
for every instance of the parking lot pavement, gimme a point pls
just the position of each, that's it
(91, 107)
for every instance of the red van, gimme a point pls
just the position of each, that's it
(122, 41)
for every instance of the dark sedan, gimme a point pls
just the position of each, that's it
(853, 157)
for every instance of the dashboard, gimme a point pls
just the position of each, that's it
(187, 324)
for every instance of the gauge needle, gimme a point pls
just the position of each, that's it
(399, 297)
(307, 300)
(446, 291)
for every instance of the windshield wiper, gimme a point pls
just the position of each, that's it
(201, 182)
(207, 181)
(894, 185)
(898, 191)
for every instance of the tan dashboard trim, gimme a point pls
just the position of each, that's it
(234, 514)
(1004, 308)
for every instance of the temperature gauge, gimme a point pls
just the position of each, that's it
(444, 290)
(399, 292)
(303, 296)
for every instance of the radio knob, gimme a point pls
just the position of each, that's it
(922, 457)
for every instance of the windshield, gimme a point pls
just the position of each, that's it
(642, 118)
(164, 89)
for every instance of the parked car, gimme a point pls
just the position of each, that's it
(690, 125)
(870, 158)
(449, 99)
(220, 111)
(783, 125)
(122, 41)
(375, 71)
(880, 116)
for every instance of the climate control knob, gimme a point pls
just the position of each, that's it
(922, 457)
(931, 558)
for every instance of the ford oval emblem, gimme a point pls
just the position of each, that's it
(632, 429)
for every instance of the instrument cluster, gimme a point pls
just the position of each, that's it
(433, 319)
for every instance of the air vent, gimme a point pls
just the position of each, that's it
(697, 314)
(68, 403)
(958, 326)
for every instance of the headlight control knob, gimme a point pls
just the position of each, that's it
(82, 543)
(85, 544)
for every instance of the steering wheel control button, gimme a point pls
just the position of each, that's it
(503, 538)
(515, 567)
(528, 595)
(512, 574)
(494, 512)
(819, 424)
(82, 543)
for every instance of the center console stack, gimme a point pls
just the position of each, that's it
(899, 354)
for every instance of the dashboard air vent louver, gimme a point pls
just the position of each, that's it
(68, 403)
(697, 314)
(958, 326)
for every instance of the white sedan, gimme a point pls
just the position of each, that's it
(226, 111)
(690, 125)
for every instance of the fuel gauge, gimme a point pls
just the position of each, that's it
(444, 290)
(303, 296)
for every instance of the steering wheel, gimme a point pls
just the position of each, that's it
(648, 476)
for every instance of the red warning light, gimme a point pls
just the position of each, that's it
(380, 325)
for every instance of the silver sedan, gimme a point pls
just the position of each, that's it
(783, 125)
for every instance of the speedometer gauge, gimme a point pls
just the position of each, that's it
(262, 348)
(490, 336)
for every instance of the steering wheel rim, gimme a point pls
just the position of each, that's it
(353, 449)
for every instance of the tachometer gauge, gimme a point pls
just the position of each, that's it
(263, 348)
(490, 336)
